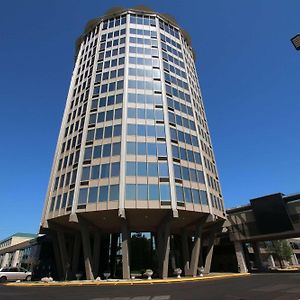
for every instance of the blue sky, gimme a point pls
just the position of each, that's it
(249, 75)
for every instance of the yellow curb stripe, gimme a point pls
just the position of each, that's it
(127, 282)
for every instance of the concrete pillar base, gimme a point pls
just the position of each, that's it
(240, 256)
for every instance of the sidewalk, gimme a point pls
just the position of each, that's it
(212, 276)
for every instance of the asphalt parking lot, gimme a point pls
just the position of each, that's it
(257, 286)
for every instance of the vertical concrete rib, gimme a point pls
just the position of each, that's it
(96, 253)
(240, 257)
(125, 250)
(185, 252)
(86, 243)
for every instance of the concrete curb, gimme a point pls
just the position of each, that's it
(127, 282)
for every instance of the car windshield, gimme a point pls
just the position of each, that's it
(23, 270)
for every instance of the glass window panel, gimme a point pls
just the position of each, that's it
(196, 196)
(109, 115)
(58, 202)
(103, 193)
(106, 150)
(151, 130)
(141, 169)
(82, 196)
(131, 148)
(197, 158)
(185, 173)
(142, 193)
(99, 133)
(160, 131)
(116, 149)
(200, 176)
(187, 194)
(88, 153)
(153, 192)
(97, 151)
(115, 169)
(179, 194)
(175, 151)
(183, 154)
(114, 192)
(108, 132)
(177, 171)
(131, 129)
(131, 113)
(151, 149)
(203, 196)
(163, 169)
(152, 169)
(101, 117)
(117, 130)
(141, 149)
(141, 130)
(193, 175)
(161, 149)
(110, 100)
(105, 171)
(95, 172)
(93, 195)
(141, 113)
(118, 113)
(164, 192)
(85, 173)
(130, 168)
(130, 192)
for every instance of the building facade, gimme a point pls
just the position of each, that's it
(19, 250)
(134, 152)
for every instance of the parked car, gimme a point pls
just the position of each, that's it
(14, 273)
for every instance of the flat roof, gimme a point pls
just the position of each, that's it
(19, 234)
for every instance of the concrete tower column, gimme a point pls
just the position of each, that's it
(163, 236)
(96, 252)
(240, 256)
(210, 250)
(257, 255)
(185, 252)
(271, 261)
(63, 254)
(196, 248)
(15, 259)
(125, 250)
(5, 260)
(294, 259)
(76, 253)
(86, 250)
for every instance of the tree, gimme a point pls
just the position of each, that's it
(281, 250)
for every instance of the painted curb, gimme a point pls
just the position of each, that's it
(127, 282)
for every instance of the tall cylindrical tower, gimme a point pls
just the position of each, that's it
(134, 152)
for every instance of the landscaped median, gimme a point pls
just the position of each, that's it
(127, 282)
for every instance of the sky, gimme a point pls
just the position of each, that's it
(249, 74)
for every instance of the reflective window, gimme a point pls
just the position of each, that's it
(105, 171)
(115, 169)
(130, 169)
(103, 193)
(165, 192)
(141, 169)
(95, 172)
(114, 192)
(130, 192)
(82, 196)
(153, 192)
(142, 193)
(93, 195)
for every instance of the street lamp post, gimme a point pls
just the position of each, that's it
(296, 41)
